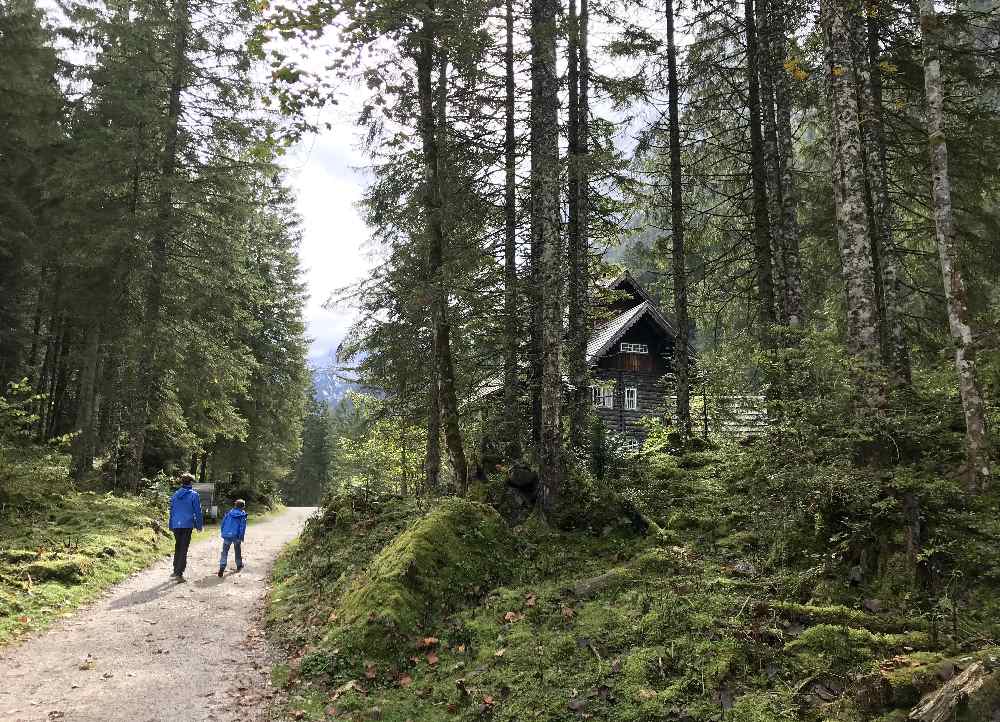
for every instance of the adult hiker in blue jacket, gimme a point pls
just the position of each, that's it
(185, 516)
(234, 527)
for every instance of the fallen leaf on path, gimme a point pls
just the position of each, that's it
(432, 659)
(500, 652)
(511, 617)
(405, 681)
(428, 642)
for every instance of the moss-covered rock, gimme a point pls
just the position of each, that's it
(844, 616)
(456, 552)
(9, 604)
(835, 649)
(65, 571)
(18, 556)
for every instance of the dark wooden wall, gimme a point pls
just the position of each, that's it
(650, 394)
(657, 361)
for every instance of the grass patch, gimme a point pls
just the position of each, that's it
(53, 559)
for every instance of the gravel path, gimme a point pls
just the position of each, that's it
(156, 651)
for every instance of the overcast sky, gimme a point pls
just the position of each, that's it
(323, 171)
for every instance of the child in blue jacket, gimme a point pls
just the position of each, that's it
(234, 526)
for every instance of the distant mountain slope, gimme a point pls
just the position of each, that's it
(329, 387)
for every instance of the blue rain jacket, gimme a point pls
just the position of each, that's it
(185, 509)
(234, 525)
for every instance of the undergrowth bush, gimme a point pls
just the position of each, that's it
(29, 472)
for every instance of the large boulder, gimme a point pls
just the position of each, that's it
(449, 557)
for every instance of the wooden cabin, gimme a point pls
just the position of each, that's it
(630, 355)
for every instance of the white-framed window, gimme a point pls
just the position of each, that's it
(631, 398)
(630, 444)
(603, 396)
(635, 348)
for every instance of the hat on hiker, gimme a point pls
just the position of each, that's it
(187, 479)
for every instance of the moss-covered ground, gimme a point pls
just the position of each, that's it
(58, 554)
(54, 558)
(392, 611)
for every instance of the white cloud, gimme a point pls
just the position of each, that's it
(323, 171)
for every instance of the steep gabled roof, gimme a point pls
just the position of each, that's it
(626, 278)
(605, 337)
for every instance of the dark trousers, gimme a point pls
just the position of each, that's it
(182, 540)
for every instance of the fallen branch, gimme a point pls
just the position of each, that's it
(940, 705)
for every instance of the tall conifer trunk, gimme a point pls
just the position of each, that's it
(425, 91)
(678, 258)
(86, 412)
(792, 301)
(147, 381)
(432, 463)
(576, 252)
(510, 387)
(896, 353)
(976, 439)
(761, 225)
(583, 161)
(772, 173)
(545, 222)
(431, 131)
(849, 184)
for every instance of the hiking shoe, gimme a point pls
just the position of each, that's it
(181, 579)
(221, 572)
(239, 569)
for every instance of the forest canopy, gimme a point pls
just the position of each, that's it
(149, 278)
(808, 190)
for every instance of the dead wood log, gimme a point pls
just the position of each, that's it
(586, 588)
(941, 704)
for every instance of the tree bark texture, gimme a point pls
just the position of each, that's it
(849, 183)
(786, 158)
(431, 133)
(576, 256)
(976, 439)
(510, 387)
(678, 258)
(86, 412)
(545, 209)
(758, 177)
(896, 354)
(772, 174)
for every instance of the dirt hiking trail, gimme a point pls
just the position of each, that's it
(154, 650)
